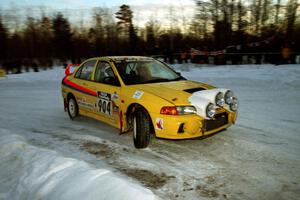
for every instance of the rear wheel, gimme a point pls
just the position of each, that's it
(141, 128)
(72, 108)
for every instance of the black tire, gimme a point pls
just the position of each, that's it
(72, 108)
(141, 128)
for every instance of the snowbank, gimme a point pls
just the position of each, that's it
(283, 73)
(29, 172)
(55, 74)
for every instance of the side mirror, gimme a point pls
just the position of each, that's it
(180, 76)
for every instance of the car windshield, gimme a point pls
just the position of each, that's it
(145, 71)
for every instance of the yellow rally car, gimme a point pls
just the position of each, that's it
(146, 96)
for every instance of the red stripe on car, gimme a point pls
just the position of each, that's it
(79, 87)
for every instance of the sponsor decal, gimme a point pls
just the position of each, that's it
(115, 108)
(104, 103)
(159, 123)
(115, 96)
(82, 102)
(137, 94)
(104, 95)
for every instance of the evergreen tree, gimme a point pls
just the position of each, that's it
(125, 15)
(291, 14)
(62, 36)
(3, 40)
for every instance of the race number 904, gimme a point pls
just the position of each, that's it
(104, 106)
(104, 103)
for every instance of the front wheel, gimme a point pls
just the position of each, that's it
(72, 108)
(141, 129)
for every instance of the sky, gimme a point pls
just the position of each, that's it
(76, 10)
(74, 4)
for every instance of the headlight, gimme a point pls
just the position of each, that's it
(177, 110)
(210, 110)
(234, 104)
(185, 110)
(220, 99)
(228, 97)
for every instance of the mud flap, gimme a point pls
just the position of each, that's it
(121, 122)
(65, 105)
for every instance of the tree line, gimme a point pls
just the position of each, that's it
(217, 25)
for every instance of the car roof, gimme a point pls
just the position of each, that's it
(122, 58)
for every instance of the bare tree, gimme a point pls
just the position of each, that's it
(202, 20)
(46, 36)
(97, 32)
(265, 12)
(152, 34)
(32, 38)
(291, 14)
(241, 13)
(277, 8)
(256, 15)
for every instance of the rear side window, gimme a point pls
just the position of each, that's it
(86, 70)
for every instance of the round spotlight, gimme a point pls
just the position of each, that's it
(234, 104)
(220, 99)
(228, 97)
(210, 110)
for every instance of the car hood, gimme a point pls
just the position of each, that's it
(176, 92)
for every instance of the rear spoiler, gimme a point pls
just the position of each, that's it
(70, 69)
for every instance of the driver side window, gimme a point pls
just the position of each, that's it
(104, 74)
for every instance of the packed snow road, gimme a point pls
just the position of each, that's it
(258, 158)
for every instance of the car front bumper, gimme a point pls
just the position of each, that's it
(190, 126)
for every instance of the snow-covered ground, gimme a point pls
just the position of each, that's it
(44, 155)
(29, 172)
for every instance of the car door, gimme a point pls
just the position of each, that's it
(85, 92)
(108, 91)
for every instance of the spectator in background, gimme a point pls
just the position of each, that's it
(34, 65)
(286, 54)
(184, 56)
(179, 57)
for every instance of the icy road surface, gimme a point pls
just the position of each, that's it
(258, 158)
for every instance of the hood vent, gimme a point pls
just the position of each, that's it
(192, 90)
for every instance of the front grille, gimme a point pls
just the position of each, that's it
(218, 121)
